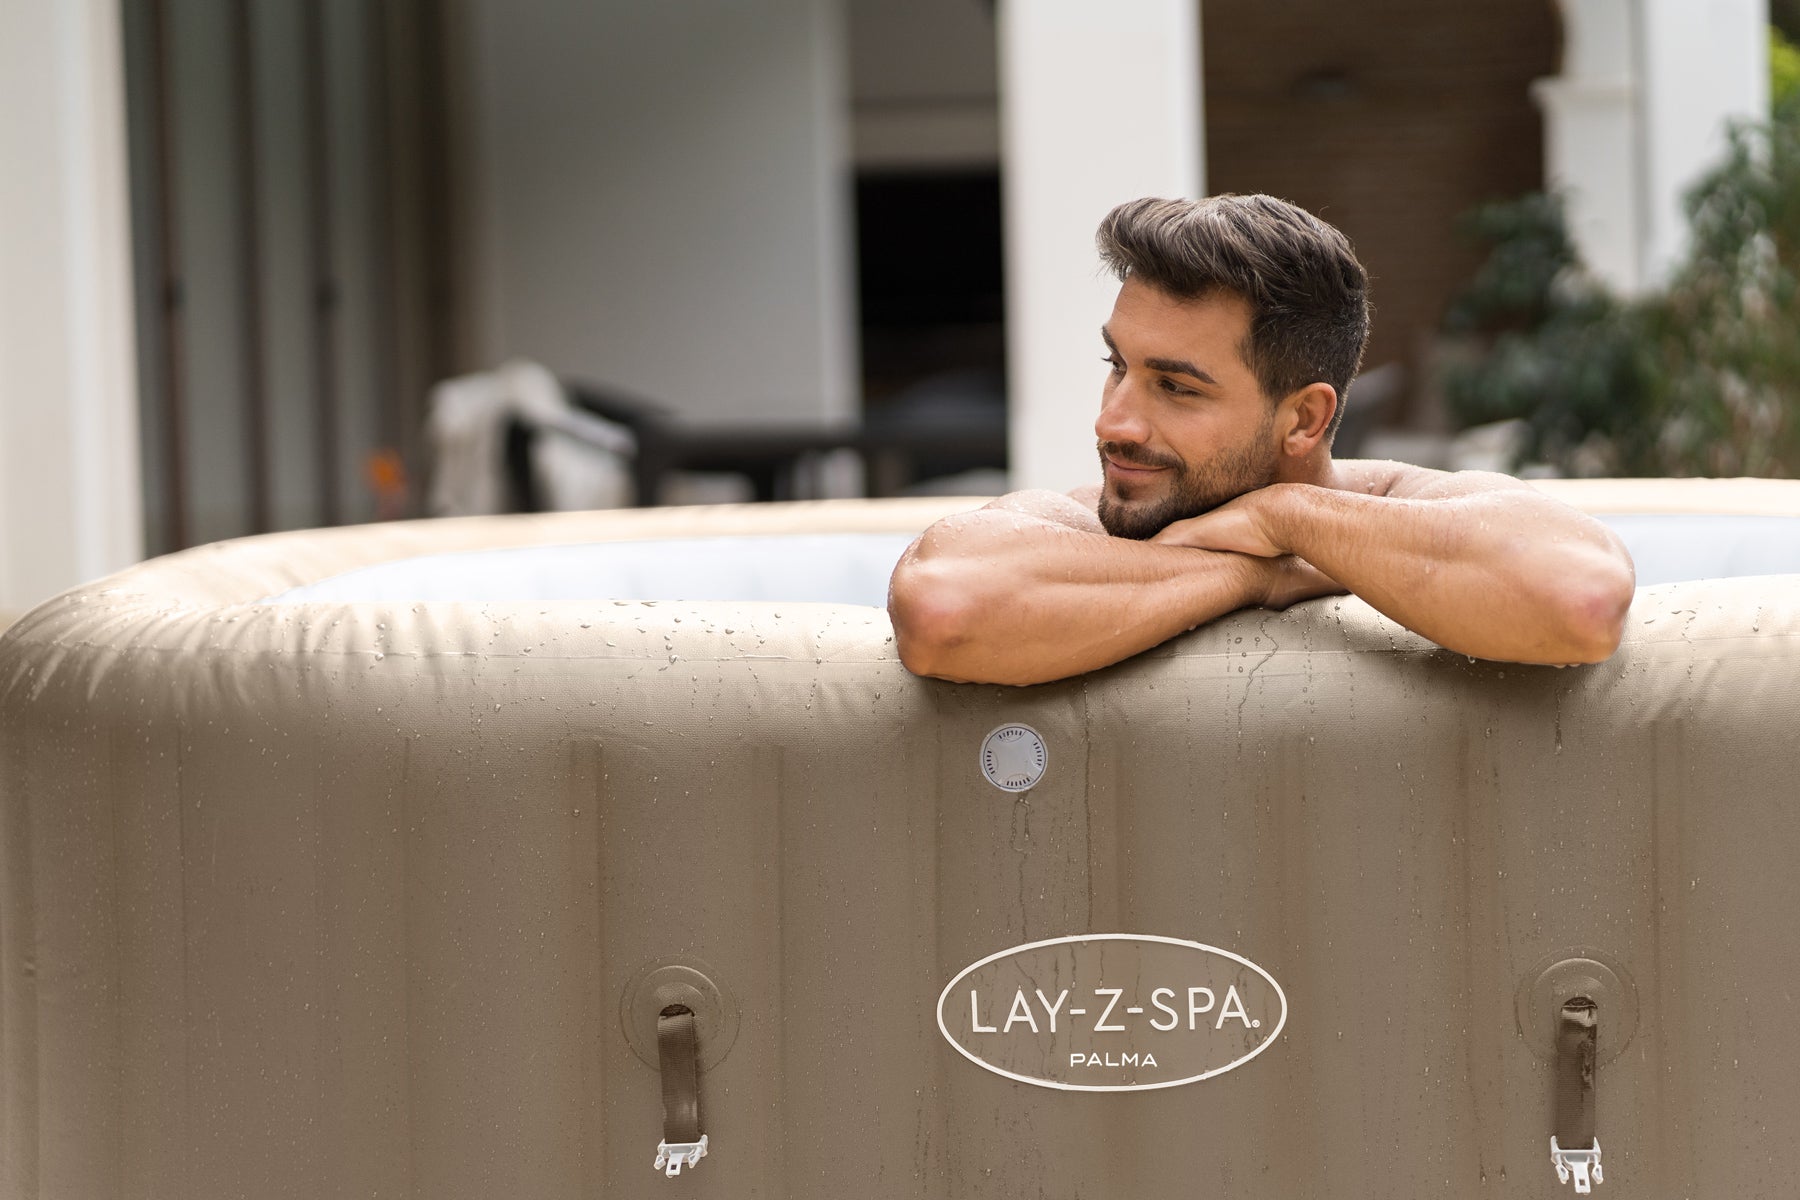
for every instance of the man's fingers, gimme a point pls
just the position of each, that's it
(1224, 528)
(1295, 579)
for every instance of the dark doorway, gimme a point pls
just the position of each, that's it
(931, 285)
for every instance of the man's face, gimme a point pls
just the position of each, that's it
(1183, 424)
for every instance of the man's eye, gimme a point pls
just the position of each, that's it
(1173, 388)
(1113, 361)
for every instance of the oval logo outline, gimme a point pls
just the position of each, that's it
(1061, 1085)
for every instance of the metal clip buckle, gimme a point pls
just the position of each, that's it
(672, 1156)
(1577, 1163)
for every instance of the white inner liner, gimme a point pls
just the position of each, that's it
(827, 568)
(853, 568)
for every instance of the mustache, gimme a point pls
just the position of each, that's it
(1133, 455)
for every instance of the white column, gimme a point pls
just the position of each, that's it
(1591, 153)
(70, 507)
(1705, 63)
(1639, 115)
(1099, 104)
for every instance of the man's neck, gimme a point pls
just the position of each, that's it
(1315, 468)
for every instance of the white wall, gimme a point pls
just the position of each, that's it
(1099, 104)
(661, 199)
(70, 508)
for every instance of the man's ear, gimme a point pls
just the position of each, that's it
(1306, 416)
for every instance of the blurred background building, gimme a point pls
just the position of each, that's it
(240, 240)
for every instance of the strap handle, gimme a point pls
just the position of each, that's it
(1575, 1147)
(678, 1050)
(678, 1056)
(1577, 1029)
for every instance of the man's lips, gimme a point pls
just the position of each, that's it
(1130, 468)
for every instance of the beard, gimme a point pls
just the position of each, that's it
(1190, 490)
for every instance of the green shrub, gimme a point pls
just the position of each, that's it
(1574, 362)
(1730, 328)
(1700, 378)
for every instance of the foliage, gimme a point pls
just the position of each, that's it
(1575, 362)
(1700, 378)
(1730, 321)
(1784, 68)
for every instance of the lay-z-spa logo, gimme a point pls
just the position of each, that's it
(1112, 1012)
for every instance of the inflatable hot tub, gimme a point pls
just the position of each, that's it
(429, 860)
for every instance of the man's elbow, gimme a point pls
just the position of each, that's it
(931, 620)
(1593, 605)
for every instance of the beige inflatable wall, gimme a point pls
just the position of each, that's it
(372, 898)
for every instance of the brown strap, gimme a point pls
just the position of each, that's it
(678, 1051)
(1577, 1030)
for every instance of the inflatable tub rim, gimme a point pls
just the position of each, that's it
(243, 573)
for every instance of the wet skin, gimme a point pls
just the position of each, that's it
(1183, 424)
(1217, 497)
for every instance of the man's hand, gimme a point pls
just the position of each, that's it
(1289, 579)
(1240, 526)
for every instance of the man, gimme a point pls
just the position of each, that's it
(1239, 324)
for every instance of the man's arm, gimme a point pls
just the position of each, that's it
(1481, 564)
(1031, 588)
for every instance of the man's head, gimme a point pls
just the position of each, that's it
(1266, 306)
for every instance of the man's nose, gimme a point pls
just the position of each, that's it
(1121, 417)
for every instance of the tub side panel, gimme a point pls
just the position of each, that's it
(1643, 815)
(1017, 868)
(1722, 780)
(147, 895)
(1276, 804)
(61, 1017)
(499, 1009)
(858, 928)
(770, 824)
(337, 904)
(690, 870)
(20, 1054)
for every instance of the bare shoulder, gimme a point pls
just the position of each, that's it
(1008, 524)
(1403, 481)
(1075, 510)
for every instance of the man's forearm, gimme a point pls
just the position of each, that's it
(1512, 575)
(998, 597)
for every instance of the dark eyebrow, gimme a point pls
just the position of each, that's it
(1180, 366)
(1168, 366)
